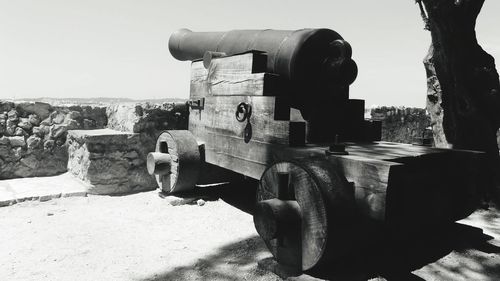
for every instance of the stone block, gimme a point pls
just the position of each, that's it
(12, 115)
(57, 117)
(72, 124)
(17, 151)
(74, 114)
(37, 132)
(20, 132)
(57, 131)
(39, 108)
(6, 106)
(4, 140)
(97, 114)
(48, 144)
(34, 119)
(10, 126)
(17, 141)
(89, 124)
(104, 159)
(46, 122)
(25, 124)
(131, 155)
(147, 118)
(34, 142)
(3, 122)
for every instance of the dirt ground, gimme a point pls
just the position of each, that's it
(142, 237)
(133, 237)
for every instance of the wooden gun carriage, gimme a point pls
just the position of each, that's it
(274, 106)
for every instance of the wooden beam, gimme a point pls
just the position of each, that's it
(370, 178)
(234, 76)
(218, 116)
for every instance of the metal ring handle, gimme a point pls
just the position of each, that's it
(243, 111)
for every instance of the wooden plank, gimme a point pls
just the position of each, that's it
(447, 182)
(329, 118)
(233, 76)
(379, 186)
(390, 151)
(370, 178)
(372, 130)
(218, 116)
(297, 133)
(245, 63)
(371, 204)
(257, 84)
(364, 172)
(225, 140)
(355, 111)
(198, 87)
(222, 84)
(249, 159)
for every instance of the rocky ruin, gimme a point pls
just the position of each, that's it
(33, 136)
(37, 139)
(113, 160)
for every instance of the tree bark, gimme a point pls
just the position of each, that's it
(467, 79)
(434, 101)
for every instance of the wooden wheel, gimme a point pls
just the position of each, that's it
(301, 208)
(176, 162)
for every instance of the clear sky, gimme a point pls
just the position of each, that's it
(118, 48)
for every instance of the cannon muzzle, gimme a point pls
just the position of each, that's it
(311, 60)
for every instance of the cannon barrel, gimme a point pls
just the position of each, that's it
(315, 60)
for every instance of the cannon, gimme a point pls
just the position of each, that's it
(314, 60)
(274, 106)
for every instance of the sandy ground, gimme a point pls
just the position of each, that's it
(142, 237)
(134, 237)
(13, 191)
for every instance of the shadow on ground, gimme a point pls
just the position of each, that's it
(241, 194)
(456, 252)
(441, 253)
(229, 261)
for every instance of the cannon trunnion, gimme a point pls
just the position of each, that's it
(252, 113)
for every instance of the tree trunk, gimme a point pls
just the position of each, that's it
(467, 78)
(434, 101)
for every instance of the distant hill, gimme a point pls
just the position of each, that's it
(96, 101)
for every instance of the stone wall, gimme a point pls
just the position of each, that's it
(407, 125)
(400, 124)
(33, 136)
(148, 120)
(113, 160)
